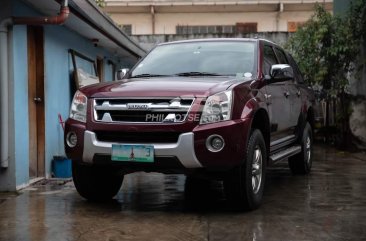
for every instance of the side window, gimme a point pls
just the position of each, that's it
(281, 56)
(298, 76)
(269, 59)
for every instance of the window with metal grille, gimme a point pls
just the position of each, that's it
(205, 29)
(127, 28)
(294, 26)
(246, 27)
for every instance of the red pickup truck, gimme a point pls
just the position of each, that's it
(218, 108)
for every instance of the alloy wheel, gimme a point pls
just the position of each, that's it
(257, 163)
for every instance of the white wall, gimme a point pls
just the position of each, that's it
(141, 22)
(165, 23)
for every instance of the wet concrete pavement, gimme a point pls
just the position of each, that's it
(330, 204)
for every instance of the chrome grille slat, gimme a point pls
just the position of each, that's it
(108, 107)
(137, 110)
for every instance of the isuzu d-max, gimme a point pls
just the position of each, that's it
(218, 108)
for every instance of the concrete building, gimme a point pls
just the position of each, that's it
(146, 17)
(41, 45)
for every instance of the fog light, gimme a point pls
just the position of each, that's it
(71, 139)
(215, 143)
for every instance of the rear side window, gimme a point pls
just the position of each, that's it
(269, 59)
(281, 56)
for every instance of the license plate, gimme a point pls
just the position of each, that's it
(133, 153)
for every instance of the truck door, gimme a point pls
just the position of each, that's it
(277, 100)
(293, 91)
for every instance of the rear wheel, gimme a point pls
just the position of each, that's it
(96, 183)
(244, 185)
(301, 163)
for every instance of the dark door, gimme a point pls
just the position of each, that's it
(299, 89)
(36, 101)
(100, 69)
(277, 100)
(293, 91)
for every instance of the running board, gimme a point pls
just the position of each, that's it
(285, 153)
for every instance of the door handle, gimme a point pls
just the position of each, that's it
(286, 94)
(37, 99)
(268, 98)
(298, 93)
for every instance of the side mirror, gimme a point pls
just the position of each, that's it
(122, 73)
(281, 72)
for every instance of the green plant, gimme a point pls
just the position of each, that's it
(100, 3)
(327, 49)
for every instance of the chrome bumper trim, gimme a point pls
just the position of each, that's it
(183, 149)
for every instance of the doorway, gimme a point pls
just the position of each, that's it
(36, 101)
(100, 69)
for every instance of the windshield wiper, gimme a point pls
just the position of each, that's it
(197, 74)
(148, 75)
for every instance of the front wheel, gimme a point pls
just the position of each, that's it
(244, 185)
(301, 163)
(96, 183)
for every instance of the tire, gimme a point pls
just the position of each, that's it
(301, 163)
(96, 183)
(244, 185)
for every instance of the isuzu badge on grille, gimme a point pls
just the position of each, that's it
(137, 106)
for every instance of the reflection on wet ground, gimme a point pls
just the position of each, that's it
(330, 204)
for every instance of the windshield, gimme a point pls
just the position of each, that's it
(228, 58)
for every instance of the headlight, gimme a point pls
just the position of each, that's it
(217, 108)
(78, 107)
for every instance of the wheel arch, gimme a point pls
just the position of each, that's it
(260, 121)
(307, 115)
(310, 117)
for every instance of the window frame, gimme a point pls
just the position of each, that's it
(298, 78)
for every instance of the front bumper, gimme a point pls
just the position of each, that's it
(183, 149)
(188, 152)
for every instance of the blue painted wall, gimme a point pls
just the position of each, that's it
(58, 41)
(20, 113)
(58, 69)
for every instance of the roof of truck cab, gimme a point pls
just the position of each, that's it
(219, 40)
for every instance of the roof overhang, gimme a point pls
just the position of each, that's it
(90, 22)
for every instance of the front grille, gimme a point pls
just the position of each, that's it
(138, 137)
(162, 110)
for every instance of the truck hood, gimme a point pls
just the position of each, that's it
(164, 86)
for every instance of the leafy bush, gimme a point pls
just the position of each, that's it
(100, 3)
(327, 49)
